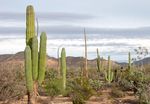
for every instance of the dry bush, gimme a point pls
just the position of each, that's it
(12, 83)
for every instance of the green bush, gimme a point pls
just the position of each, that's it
(81, 91)
(53, 87)
(143, 91)
(53, 84)
(51, 74)
(96, 84)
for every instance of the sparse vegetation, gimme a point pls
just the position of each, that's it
(78, 85)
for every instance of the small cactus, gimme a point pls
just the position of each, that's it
(109, 74)
(99, 62)
(63, 67)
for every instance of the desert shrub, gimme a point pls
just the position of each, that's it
(12, 84)
(53, 87)
(143, 91)
(95, 84)
(81, 91)
(116, 92)
(131, 81)
(93, 74)
(144, 96)
(51, 74)
(52, 83)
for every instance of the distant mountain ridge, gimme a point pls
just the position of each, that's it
(144, 61)
(13, 60)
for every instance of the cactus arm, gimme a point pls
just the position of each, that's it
(35, 58)
(28, 69)
(42, 57)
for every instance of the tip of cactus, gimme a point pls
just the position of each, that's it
(27, 48)
(43, 34)
(30, 9)
(29, 6)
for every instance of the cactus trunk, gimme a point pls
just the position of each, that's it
(63, 67)
(42, 57)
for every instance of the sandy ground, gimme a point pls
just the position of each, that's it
(104, 98)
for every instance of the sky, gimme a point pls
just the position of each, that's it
(114, 26)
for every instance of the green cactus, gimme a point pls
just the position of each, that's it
(109, 74)
(63, 67)
(35, 63)
(35, 58)
(30, 24)
(99, 62)
(28, 69)
(129, 61)
(42, 57)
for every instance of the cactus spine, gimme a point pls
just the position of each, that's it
(28, 69)
(99, 62)
(42, 57)
(109, 74)
(30, 25)
(63, 67)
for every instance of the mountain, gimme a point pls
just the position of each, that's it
(144, 61)
(16, 61)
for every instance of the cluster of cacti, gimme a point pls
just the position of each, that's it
(63, 67)
(99, 62)
(35, 62)
(109, 75)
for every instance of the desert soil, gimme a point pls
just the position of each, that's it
(104, 98)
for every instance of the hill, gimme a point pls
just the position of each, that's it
(12, 61)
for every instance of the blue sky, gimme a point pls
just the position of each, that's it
(114, 26)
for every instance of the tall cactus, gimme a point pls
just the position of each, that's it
(109, 74)
(35, 63)
(86, 62)
(30, 24)
(42, 57)
(63, 67)
(28, 69)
